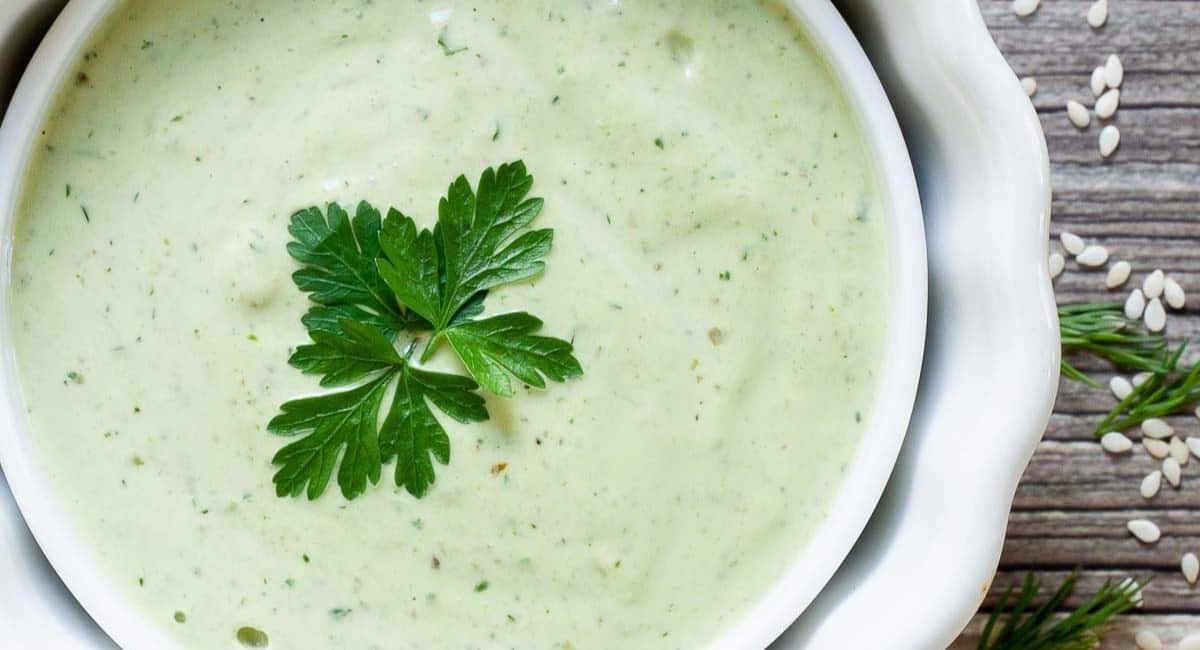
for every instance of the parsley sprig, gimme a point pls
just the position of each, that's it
(380, 288)
(1040, 628)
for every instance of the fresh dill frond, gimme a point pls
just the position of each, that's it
(1103, 329)
(1162, 394)
(1041, 628)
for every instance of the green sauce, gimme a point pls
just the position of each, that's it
(719, 261)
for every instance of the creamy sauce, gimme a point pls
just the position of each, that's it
(719, 261)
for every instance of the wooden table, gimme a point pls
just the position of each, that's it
(1144, 205)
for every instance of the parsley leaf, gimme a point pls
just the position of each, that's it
(377, 284)
(412, 433)
(443, 275)
(322, 318)
(494, 347)
(334, 422)
(411, 267)
(346, 423)
(437, 273)
(339, 273)
(346, 356)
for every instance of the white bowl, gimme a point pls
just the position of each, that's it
(927, 558)
(68, 552)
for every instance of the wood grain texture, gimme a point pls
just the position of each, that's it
(1171, 628)
(1144, 205)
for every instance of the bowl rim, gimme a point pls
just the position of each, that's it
(66, 547)
(868, 472)
(992, 363)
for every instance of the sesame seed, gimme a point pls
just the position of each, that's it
(1156, 316)
(1173, 294)
(1107, 104)
(1099, 85)
(1029, 84)
(1135, 304)
(1025, 8)
(1179, 451)
(1172, 472)
(1151, 484)
(1114, 72)
(1078, 114)
(1097, 14)
(1190, 565)
(1145, 530)
(1120, 387)
(1153, 285)
(1057, 264)
(1110, 139)
(1093, 256)
(1193, 445)
(1147, 640)
(1156, 448)
(1116, 443)
(1071, 243)
(1118, 274)
(1155, 427)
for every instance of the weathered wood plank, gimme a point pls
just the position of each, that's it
(1079, 428)
(1156, 35)
(1171, 629)
(1143, 138)
(1153, 89)
(1058, 539)
(1177, 257)
(1080, 476)
(1166, 588)
(1155, 40)
(1078, 399)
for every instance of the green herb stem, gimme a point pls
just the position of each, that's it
(1102, 329)
(1039, 628)
(1162, 394)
